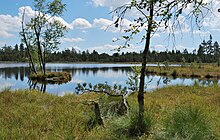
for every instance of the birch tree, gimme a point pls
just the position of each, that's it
(154, 16)
(43, 32)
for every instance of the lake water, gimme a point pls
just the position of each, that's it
(14, 76)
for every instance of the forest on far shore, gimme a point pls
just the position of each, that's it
(207, 52)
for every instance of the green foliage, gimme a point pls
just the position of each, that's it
(129, 127)
(43, 32)
(174, 73)
(209, 48)
(183, 62)
(166, 65)
(56, 77)
(196, 83)
(112, 106)
(90, 117)
(133, 79)
(9, 53)
(188, 123)
(115, 89)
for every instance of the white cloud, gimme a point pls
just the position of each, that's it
(183, 27)
(2, 43)
(104, 48)
(9, 25)
(158, 47)
(108, 25)
(156, 35)
(29, 12)
(69, 26)
(76, 48)
(81, 23)
(178, 26)
(5, 34)
(182, 47)
(212, 21)
(73, 40)
(112, 4)
(199, 32)
(110, 49)
(102, 23)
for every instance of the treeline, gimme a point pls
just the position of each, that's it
(207, 53)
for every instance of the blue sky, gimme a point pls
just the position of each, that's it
(88, 21)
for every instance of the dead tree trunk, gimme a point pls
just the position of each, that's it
(98, 114)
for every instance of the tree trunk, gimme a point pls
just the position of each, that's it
(28, 47)
(44, 61)
(98, 114)
(39, 52)
(143, 69)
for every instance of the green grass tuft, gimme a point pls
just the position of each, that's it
(188, 123)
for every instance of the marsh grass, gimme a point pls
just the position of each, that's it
(188, 123)
(123, 128)
(128, 127)
(174, 112)
(208, 71)
(51, 77)
(112, 106)
(34, 115)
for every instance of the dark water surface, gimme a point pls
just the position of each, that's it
(15, 75)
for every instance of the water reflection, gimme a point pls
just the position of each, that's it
(18, 73)
(17, 77)
(37, 86)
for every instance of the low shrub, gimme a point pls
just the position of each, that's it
(174, 74)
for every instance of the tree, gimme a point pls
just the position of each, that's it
(42, 33)
(185, 51)
(209, 47)
(154, 14)
(21, 50)
(216, 48)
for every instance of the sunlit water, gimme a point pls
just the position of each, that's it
(14, 76)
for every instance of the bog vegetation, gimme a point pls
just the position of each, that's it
(189, 70)
(176, 112)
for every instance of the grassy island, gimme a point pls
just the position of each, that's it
(51, 77)
(204, 71)
(176, 112)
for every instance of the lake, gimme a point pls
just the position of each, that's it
(14, 76)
